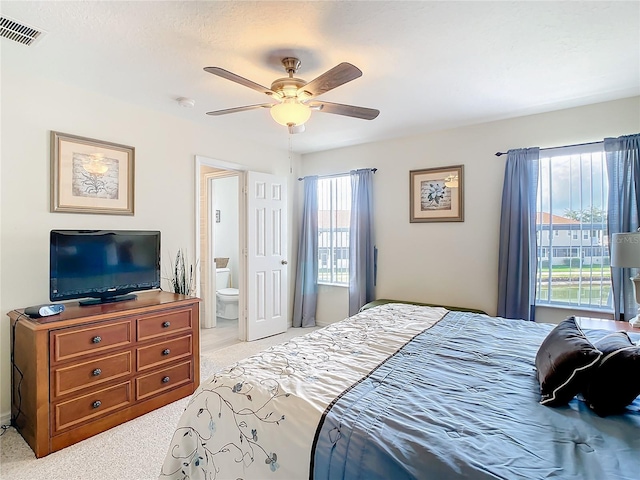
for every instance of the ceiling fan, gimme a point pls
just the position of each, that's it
(292, 99)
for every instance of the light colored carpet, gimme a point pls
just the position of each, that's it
(132, 451)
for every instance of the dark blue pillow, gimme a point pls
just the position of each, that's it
(615, 382)
(563, 363)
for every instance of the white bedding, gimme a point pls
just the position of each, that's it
(257, 419)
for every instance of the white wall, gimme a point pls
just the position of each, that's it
(226, 241)
(164, 180)
(454, 263)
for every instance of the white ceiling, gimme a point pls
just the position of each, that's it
(426, 65)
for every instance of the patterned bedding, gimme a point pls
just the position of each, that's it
(397, 391)
(257, 419)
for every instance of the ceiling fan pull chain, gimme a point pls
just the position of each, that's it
(290, 149)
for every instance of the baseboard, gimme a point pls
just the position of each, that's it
(5, 418)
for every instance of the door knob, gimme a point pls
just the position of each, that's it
(284, 262)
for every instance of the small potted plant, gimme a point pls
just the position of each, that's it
(182, 277)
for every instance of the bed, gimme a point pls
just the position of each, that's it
(399, 391)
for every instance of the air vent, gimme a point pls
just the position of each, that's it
(19, 32)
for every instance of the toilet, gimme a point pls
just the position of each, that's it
(226, 298)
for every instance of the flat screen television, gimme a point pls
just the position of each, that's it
(103, 265)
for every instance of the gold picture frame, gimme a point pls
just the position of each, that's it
(91, 176)
(437, 194)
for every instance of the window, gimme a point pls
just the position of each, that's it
(573, 268)
(334, 213)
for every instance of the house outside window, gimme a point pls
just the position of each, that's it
(573, 263)
(334, 213)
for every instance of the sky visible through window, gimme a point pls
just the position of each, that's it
(572, 183)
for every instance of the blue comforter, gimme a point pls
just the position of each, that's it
(461, 401)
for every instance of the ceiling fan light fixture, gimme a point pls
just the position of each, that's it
(289, 91)
(290, 112)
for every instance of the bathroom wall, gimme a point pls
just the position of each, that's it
(226, 241)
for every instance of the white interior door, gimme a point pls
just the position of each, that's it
(267, 268)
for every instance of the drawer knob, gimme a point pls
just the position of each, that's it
(166, 324)
(166, 351)
(97, 339)
(97, 372)
(165, 380)
(97, 403)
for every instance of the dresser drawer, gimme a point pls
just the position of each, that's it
(167, 323)
(163, 352)
(71, 343)
(97, 404)
(78, 376)
(165, 379)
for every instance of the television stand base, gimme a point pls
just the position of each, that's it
(98, 301)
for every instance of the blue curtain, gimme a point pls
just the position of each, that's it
(623, 168)
(361, 247)
(305, 298)
(517, 257)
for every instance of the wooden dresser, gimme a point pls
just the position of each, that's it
(91, 368)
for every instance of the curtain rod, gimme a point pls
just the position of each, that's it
(374, 170)
(552, 148)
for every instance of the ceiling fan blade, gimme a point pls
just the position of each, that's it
(338, 75)
(346, 110)
(221, 72)
(215, 113)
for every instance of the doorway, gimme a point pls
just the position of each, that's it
(219, 234)
(261, 221)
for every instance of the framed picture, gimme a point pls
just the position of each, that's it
(437, 194)
(91, 176)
